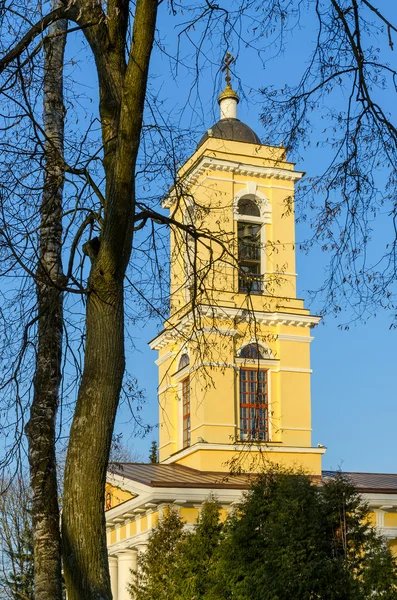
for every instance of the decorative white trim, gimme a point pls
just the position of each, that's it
(224, 365)
(237, 168)
(167, 444)
(166, 356)
(243, 447)
(296, 429)
(294, 370)
(166, 388)
(259, 362)
(262, 202)
(184, 327)
(255, 341)
(213, 425)
(215, 330)
(182, 373)
(265, 186)
(294, 338)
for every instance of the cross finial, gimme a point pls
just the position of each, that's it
(228, 60)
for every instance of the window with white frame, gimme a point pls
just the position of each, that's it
(253, 404)
(254, 400)
(249, 246)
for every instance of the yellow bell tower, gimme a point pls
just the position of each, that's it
(234, 355)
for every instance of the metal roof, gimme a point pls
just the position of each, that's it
(178, 476)
(369, 482)
(231, 129)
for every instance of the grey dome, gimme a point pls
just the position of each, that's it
(231, 129)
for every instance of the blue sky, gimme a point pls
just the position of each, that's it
(354, 383)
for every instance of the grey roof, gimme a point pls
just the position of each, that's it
(231, 129)
(376, 483)
(179, 476)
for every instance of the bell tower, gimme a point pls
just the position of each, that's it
(234, 355)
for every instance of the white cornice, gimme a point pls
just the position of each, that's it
(184, 327)
(165, 357)
(235, 167)
(294, 338)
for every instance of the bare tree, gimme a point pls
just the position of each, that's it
(103, 206)
(41, 428)
(16, 539)
(344, 102)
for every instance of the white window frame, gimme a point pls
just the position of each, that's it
(251, 192)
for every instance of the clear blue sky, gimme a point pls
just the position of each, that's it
(354, 383)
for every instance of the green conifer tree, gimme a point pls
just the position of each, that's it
(196, 556)
(290, 538)
(153, 456)
(157, 578)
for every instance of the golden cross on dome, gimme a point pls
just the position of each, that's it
(228, 60)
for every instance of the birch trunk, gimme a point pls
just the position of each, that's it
(40, 429)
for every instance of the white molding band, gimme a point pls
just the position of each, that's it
(294, 338)
(237, 168)
(184, 327)
(213, 425)
(166, 356)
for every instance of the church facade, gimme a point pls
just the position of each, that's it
(234, 355)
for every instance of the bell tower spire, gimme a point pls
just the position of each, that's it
(228, 99)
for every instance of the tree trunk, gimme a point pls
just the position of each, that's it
(84, 537)
(40, 429)
(83, 520)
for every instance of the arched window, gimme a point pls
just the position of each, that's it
(248, 207)
(249, 257)
(251, 351)
(253, 404)
(184, 361)
(252, 210)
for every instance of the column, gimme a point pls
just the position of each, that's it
(127, 562)
(113, 569)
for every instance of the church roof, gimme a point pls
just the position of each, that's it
(231, 129)
(369, 482)
(179, 476)
(173, 475)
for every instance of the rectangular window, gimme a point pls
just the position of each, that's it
(253, 405)
(186, 411)
(249, 258)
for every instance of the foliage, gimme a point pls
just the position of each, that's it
(178, 564)
(290, 537)
(157, 567)
(16, 541)
(153, 456)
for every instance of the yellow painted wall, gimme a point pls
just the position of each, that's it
(123, 532)
(250, 461)
(113, 536)
(223, 515)
(189, 515)
(390, 519)
(143, 525)
(133, 528)
(117, 495)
